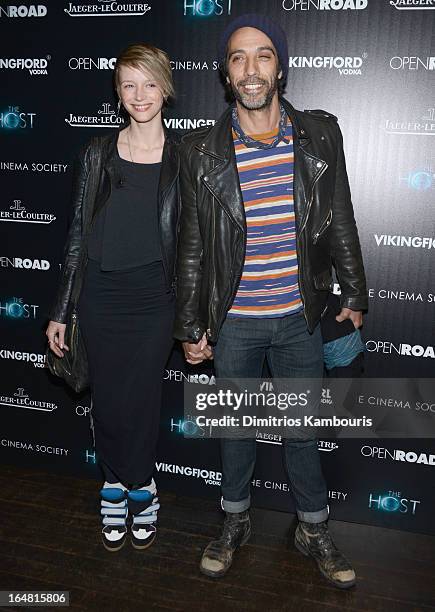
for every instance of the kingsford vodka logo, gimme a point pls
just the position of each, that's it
(35, 66)
(346, 65)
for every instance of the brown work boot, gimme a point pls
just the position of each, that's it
(218, 555)
(314, 539)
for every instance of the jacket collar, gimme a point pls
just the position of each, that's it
(220, 147)
(223, 180)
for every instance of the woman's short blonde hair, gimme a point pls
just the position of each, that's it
(149, 58)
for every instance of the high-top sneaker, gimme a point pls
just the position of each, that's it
(315, 540)
(114, 511)
(218, 555)
(143, 527)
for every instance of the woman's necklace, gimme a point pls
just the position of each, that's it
(129, 146)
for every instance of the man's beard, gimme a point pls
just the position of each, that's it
(255, 103)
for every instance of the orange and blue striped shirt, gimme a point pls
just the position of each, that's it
(269, 285)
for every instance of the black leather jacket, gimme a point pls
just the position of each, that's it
(95, 175)
(212, 238)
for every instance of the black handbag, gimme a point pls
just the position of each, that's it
(73, 366)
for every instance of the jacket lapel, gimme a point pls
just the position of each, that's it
(170, 167)
(223, 180)
(307, 167)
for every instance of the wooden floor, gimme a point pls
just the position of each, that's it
(49, 539)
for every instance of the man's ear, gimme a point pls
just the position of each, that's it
(280, 74)
(228, 79)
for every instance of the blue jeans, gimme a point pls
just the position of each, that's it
(291, 351)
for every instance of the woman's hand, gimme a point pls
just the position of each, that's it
(56, 337)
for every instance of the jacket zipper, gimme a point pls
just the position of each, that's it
(310, 201)
(300, 238)
(323, 227)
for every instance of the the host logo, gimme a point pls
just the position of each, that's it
(415, 242)
(89, 63)
(20, 399)
(14, 10)
(423, 127)
(16, 308)
(408, 350)
(207, 8)
(34, 66)
(412, 63)
(420, 180)
(36, 359)
(105, 118)
(13, 119)
(324, 5)
(413, 5)
(108, 8)
(393, 502)
(187, 427)
(17, 213)
(376, 452)
(24, 263)
(345, 65)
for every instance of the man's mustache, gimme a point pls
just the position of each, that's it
(251, 82)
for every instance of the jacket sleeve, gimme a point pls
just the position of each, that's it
(188, 327)
(71, 251)
(344, 240)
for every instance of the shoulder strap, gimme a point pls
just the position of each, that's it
(321, 114)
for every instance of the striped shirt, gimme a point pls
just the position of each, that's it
(269, 284)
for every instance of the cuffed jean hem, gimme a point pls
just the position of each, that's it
(236, 506)
(313, 517)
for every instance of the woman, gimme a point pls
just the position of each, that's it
(121, 245)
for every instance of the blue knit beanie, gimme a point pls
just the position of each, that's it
(266, 25)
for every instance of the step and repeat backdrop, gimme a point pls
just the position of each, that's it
(369, 62)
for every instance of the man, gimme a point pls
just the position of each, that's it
(266, 210)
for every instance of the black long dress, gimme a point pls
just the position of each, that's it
(126, 314)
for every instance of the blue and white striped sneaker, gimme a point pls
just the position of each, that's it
(114, 510)
(143, 527)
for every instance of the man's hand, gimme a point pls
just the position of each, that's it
(354, 315)
(197, 353)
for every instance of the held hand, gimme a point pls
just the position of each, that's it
(197, 353)
(56, 337)
(354, 315)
